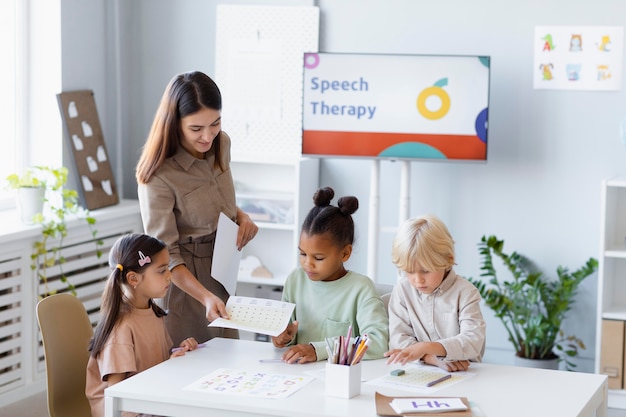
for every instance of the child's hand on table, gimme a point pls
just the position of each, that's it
(402, 356)
(300, 354)
(186, 345)
(450, 366)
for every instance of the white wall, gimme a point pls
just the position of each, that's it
(547, 154)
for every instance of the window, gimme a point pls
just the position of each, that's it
(30, 35)
(9, 27)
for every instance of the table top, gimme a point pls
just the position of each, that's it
(498, 390)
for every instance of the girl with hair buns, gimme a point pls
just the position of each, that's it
(130, 336)
(329, 299)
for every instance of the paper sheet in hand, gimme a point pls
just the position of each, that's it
(226, 257)
(257, 315)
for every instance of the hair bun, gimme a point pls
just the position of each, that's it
(323, 196)
(348, 204)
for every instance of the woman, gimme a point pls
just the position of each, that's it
(184, 182)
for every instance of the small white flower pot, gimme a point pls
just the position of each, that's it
(30, 201)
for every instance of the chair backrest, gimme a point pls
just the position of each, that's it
(385, 298)
(65, 332)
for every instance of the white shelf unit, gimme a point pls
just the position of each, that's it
(612, 269)
(281, 194)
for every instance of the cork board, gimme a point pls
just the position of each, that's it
(83, 131)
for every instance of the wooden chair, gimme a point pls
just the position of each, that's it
(65, 331)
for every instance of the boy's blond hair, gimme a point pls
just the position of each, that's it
(423, 242)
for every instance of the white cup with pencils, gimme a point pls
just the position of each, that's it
(343, 369)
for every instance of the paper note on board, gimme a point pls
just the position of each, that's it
(226, 256)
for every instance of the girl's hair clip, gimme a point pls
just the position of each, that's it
(143, 259)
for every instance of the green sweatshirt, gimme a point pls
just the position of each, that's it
(327, 309)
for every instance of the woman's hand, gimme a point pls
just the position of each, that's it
(215, 308)
(247, 229)
(286, 336)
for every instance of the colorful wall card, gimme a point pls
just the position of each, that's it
(249, 383)
(578, 57)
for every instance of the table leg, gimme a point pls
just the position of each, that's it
(112, 407)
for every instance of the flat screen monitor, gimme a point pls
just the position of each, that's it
(386, 106)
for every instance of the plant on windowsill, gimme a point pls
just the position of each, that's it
(58, 203)
(531, 306)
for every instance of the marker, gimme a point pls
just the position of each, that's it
(276, 360)
(270, 360)
(436, 381)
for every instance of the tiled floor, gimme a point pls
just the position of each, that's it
(36, 407)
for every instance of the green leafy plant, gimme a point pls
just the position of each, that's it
(531, 306)
(61, 203)
(30, 178)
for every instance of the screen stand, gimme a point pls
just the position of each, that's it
(403, 214)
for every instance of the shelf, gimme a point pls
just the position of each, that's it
(265, 195)
(277, 196)
(612, 284)
(615, 253)
(275, 226)
(619, 181)
(278, 281)
(615, 313)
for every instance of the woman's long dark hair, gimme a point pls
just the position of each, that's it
(185, 94)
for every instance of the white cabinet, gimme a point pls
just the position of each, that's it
(612, 289)
(277, 195)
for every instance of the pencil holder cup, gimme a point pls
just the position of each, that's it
(342, 380)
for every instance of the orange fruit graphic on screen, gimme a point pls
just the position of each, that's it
(437, 91)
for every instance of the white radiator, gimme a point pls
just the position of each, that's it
(22, 367)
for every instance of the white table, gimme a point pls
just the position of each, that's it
(496, 389)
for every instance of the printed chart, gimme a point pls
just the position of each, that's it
(257, 315)
(249, 383)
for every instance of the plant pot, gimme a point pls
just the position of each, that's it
(30, 201)
(552, 363)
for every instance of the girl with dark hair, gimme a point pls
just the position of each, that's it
(131, 335)
(329, 299)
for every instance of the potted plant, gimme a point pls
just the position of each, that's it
(58, 203)
(31, 193)
(531, 306)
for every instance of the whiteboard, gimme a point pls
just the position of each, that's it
(258, 66)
